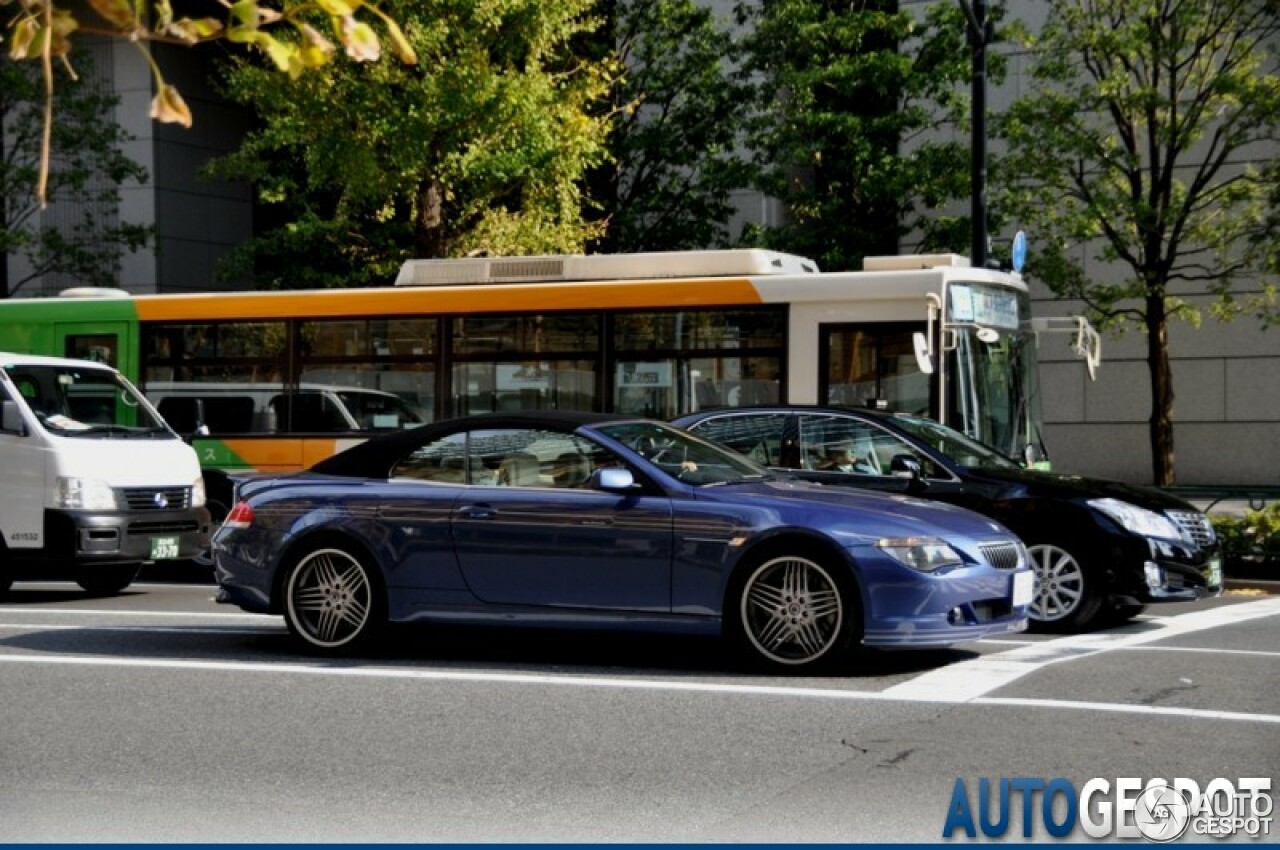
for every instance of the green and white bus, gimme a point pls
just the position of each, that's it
(278, 380)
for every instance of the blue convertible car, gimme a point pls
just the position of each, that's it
(592, 520)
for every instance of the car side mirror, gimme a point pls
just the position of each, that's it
(612, 478)
(13, 422)
(906, 466)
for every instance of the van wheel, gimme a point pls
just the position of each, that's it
(791, 614)
(333, 600)
(1066, 595)
(107, 580)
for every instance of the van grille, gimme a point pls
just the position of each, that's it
(157, 498)
(1195, 525)
(1002, 556)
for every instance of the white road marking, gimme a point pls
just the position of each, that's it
(967, 681)
(962, 682)
(567, 680)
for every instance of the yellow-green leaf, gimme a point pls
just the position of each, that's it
(403, 48)
(117, 12)
(168, 107)
(360, 41)
(23, 43)
(192, 30)
(338, 8)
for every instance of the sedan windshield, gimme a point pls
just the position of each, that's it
(961, 449)
(86, 402)
(684, 456)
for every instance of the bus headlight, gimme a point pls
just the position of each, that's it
(920, 553)
(84, 494)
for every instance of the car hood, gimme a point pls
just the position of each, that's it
(1052, 485)
(878, 514)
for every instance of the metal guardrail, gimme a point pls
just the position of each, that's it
(1257, 496)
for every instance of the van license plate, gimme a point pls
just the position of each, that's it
(164, 548)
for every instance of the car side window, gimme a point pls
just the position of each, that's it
(758, 436)
(443, 461)
(535, 458)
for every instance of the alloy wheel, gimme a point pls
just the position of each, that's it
(330, 599)
(792, 611)
(1059, 583)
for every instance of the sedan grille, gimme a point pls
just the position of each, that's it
(1195, 525)
(1002, 556)
(157, 498)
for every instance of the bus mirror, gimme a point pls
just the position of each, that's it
(13, 422)
(924, 358)
(202, 430)
(1031, 455)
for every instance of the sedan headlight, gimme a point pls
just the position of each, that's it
(84, 494)
(1138, 520)
(920, 553)
(197, 493)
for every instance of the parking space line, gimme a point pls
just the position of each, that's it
(966, 681)
(1257, 653)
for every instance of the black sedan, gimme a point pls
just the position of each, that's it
(580, 520)
(1101, 550)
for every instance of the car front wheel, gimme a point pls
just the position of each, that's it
(332, 599)
(1066, 597)
(792, 615)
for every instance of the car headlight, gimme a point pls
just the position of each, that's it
(84, 494)
(1138, 520)
(197, 493)
(920, 553)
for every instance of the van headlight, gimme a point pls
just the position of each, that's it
(920, 553)
(1138, 520)
(84, 494)
(197, 493)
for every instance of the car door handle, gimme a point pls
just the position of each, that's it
(477, 512)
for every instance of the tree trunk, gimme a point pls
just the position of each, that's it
(429, 236)
(1161, 423)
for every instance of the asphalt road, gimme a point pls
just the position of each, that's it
(158, 716)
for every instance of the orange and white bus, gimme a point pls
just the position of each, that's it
(282, 379)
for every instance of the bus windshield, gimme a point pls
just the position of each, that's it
(993, 387)
(86, 402)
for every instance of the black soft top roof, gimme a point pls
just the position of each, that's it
(377, 454)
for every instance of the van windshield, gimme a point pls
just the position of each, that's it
(86, 402)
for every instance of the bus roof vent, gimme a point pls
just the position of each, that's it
(914, 262)
(577, 267)
(94, 292)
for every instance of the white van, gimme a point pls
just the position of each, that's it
(262, 408)
(92, 480)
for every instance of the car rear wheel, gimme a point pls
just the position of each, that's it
(791, 614)
(1066, 597)
(332, 599)
(106, 580)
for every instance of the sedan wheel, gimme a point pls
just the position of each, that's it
(793, 615)
(1064, 595)
(330, 600)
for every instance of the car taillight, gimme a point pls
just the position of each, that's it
(241, 516)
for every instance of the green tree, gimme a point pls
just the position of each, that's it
(1133, 153)
(288, 34)
(480, 148)
(88, 170)
(676, 135)
(854, 130)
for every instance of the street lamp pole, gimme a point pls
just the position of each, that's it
(980, 32)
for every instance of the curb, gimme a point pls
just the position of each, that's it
(1270, 588)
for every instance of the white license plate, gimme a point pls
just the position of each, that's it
(164, 548)
(1024, 584)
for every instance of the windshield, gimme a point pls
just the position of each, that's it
(962, 450)
(684, 456)
(994, 390)
(86, 402)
